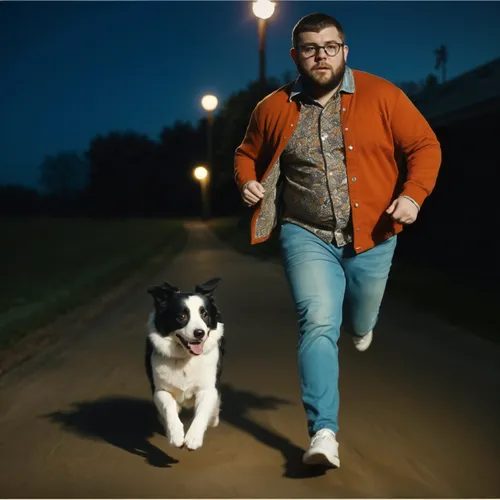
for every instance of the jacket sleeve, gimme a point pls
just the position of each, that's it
(248, 152)
(419, 143)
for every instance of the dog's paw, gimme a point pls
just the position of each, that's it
(193, 439)
(175, 435)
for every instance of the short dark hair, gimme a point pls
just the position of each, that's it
(316, 22)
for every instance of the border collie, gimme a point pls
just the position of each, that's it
(183, 361)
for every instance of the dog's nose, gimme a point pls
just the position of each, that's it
(198, 334)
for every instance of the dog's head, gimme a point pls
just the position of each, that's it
(186, 316)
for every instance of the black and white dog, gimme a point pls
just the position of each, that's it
(184, 351)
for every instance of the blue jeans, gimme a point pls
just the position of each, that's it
(320, 276)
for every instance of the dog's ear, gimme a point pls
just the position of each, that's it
(208, 288)
(168, 288)
(161, 292)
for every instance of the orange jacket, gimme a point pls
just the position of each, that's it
(379, 123)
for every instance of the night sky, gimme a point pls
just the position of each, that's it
(71, 70)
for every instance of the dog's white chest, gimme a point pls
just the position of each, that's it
(184, 378)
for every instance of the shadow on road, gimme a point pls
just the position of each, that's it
(236, 405)
(124, 422)
(128, 423)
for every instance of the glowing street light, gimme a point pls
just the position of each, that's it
(209, 102)
(263, 9)
(200, 173)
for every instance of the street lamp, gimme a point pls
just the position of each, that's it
(208, 102)
(201, 174)
(263, 9)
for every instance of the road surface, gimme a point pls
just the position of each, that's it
(419, 411)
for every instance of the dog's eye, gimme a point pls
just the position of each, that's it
(182, 316)
(204, 313)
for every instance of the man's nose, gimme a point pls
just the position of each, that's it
(321, 53)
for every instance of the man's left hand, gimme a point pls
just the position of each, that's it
(402, 210)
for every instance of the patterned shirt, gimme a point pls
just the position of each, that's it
(316, 194)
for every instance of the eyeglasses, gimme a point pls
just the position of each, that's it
(309, 50)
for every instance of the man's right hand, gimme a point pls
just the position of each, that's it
(252, 192)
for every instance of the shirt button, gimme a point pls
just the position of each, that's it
(353, 179)
(350, 147)
(343, 109)
(356, 205)
(346, 129)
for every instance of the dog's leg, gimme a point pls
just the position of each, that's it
(167, 406)
(206, 402)
(214, 421)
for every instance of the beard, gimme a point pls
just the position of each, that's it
(321, 83)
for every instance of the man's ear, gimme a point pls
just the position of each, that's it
(208, 288)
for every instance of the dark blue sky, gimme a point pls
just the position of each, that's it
(71, 70)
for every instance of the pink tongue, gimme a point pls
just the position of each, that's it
(196, 348)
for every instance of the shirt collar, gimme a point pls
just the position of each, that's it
(347, 84)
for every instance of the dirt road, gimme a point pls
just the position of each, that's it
(419, 411)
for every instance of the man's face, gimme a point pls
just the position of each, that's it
(322, 71)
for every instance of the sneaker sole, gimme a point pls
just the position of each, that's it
(320, 458)
(364, 345)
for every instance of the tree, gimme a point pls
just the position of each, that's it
(63, 175)
(62, 181)
(122, 174)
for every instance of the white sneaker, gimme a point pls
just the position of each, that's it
(363, 343)
(323, 450)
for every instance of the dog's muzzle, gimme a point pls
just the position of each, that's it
(196, 346)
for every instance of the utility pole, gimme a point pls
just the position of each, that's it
(441, 60)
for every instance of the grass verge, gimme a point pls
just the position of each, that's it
(50, 266)
(463, 299)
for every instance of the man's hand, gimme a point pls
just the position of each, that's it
(252, 192)
(403, 210)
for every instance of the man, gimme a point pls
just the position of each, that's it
(320, 155)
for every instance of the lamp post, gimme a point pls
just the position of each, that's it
(201, 174)
(263, 9)
(209, 103)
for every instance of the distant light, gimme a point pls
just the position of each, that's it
(209, 102)
(263, 9)
(200, 173)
